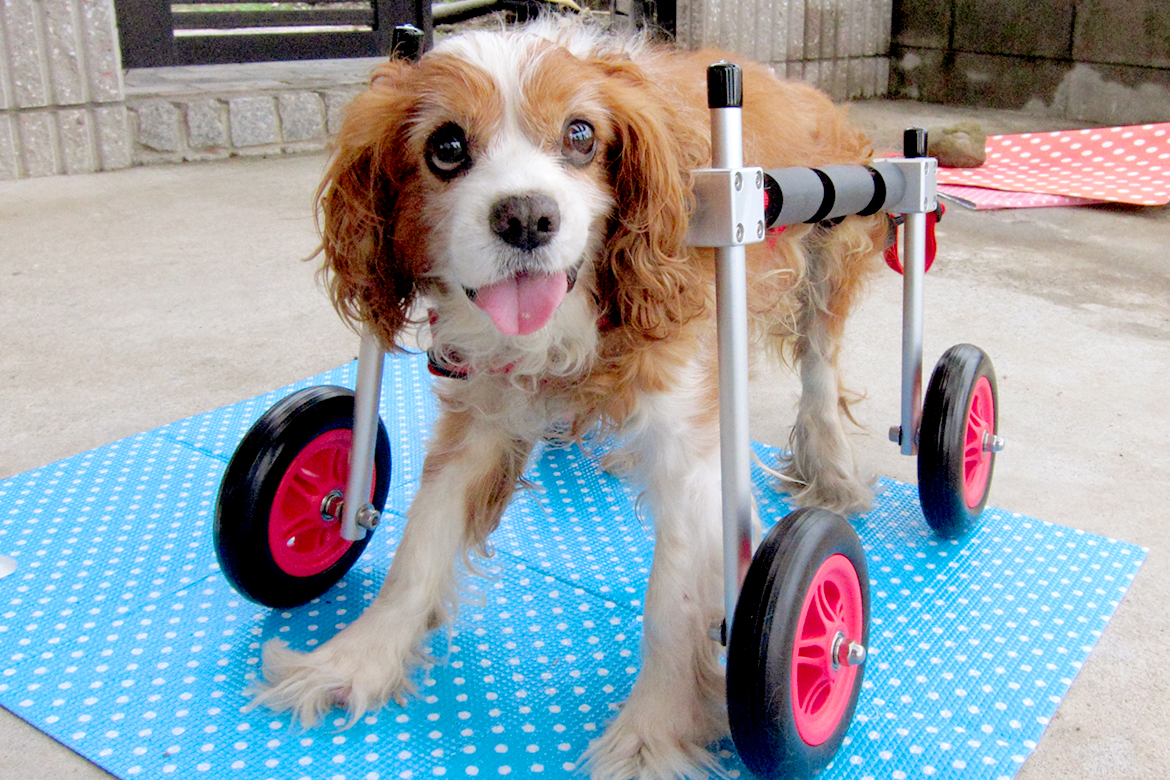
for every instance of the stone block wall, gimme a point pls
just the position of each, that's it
(841, 46)
(222, 123)
(1103, 61)
(61, 94)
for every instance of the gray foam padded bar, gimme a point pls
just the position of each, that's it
(817, 194)
(894, 182)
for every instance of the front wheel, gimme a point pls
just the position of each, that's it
(277, 529)
(798, 642)
(957, 440)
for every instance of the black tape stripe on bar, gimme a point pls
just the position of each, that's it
(879, 193)
(829, 200)
(773, 200)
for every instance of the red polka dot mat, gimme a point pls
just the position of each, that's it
(1068, 168)
(120, 638)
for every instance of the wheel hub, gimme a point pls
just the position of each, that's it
(980, 442)
(826, 659)
(303, 538)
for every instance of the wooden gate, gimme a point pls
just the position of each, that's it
(194, 32)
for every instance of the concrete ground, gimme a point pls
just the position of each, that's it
(136, 298)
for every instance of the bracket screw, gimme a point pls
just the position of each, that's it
(368, 517)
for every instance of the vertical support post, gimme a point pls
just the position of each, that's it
(147, 33)
(913, 271)
(725, 99)
(390, 13)
(407, 42)
(367, 395)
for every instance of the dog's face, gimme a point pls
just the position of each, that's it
(496, 173)
(511, 172)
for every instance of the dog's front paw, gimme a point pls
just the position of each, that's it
(642, 747)
(338, 674)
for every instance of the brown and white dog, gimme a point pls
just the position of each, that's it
(530, 191)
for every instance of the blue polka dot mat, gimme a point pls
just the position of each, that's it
(120, 638)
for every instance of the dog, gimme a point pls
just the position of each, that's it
(523, 197)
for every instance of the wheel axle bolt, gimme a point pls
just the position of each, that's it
(332, 506)
(991, 442)
(846, 652)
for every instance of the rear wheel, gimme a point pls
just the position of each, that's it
(957, 440)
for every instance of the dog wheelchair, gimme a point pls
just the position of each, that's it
(304, 490)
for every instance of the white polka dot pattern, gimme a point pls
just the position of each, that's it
(119, 637)
(1118, 164)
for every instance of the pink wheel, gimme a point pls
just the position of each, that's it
(794, 662)
(277, 519)
(957, 440)
(302, 541)
(830, 622)
(976, 456)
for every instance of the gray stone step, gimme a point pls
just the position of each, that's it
(205, 112)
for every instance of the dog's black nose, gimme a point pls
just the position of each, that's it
(526, 221)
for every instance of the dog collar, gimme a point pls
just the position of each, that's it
(441, 367)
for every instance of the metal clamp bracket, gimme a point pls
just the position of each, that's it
(920, 175)
(729, 207)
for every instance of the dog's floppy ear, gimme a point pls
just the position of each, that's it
(369, 280)
(645, 278)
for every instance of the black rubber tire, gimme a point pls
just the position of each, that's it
(248, 489)
(759, 656)
(942, 438)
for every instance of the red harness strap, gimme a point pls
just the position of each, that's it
(894, 260)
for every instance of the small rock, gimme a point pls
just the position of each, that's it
(961, 146)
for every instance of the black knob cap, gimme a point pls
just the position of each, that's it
(914, 142)
(724, 85)
(406, 42)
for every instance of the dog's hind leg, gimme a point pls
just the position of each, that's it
(677, 706)
(470, 473)
(822, 469)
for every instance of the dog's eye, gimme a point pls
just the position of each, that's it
(447, 153)
(580, 142)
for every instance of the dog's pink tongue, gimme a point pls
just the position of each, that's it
(523, 304)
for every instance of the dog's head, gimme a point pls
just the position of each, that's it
(499, 171)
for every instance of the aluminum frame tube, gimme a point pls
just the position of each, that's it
(913, 272)
(734, 442)
(367, 396)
